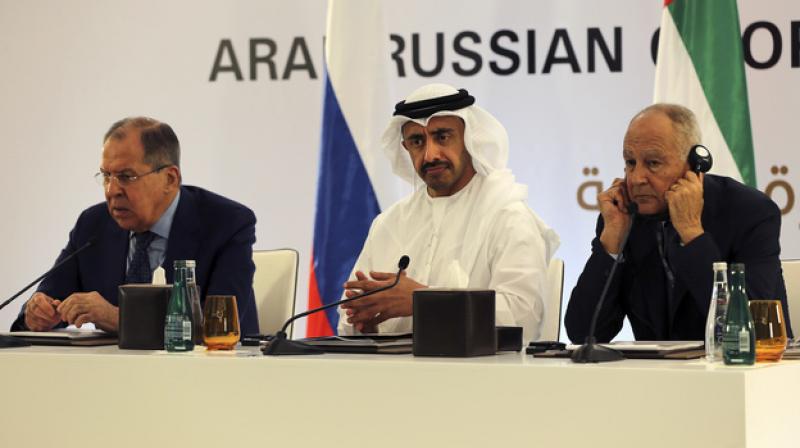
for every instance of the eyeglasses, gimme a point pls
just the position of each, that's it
(123, 180)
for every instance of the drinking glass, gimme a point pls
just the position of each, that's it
(221, 323)
(770, 329)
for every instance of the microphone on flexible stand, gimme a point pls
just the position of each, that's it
(11, 341)
(591, 351)
(280, 344)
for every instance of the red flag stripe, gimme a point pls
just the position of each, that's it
(317, 324)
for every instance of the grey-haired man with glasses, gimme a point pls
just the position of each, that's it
(149, 219)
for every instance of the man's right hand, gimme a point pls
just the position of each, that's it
(365, 314)
(40, 312)
(614, 208)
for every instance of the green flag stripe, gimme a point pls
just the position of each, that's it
(711, 34)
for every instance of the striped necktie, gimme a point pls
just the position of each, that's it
(139, 271)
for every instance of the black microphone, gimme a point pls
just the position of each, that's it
(590, 351)
(10, 341)
(280, 344)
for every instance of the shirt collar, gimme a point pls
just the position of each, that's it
(164, 223)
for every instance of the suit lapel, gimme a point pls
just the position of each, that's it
(114, 259)
(711, 191)
(642, 249)
(672, 243)
(183, 243)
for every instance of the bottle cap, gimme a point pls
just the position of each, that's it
(720, 265)
(184, 263)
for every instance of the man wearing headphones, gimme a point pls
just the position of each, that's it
(686, 221)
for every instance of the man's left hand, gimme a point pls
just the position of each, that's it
(685, 201)
(366, 313)
(83, 307)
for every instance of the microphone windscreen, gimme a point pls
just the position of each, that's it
(403, 264)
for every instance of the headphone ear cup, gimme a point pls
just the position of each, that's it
(700, 160)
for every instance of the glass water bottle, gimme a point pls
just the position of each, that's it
(738, 341)
(178, 322)
(193, 292)
(717, 307)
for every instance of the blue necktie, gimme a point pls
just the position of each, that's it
(139, 270)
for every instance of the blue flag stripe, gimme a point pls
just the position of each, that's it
(346, 205)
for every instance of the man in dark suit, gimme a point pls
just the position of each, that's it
(148, 220)
(686, 222)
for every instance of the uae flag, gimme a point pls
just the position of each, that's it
(700, 65)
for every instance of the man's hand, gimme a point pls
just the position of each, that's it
(365, 314)
(40, 312)
(82, 307)
(614, 208)
(685, 201)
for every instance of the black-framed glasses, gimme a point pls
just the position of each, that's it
(123, 180)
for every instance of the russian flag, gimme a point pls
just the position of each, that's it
(355, 179)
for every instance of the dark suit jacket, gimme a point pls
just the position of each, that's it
(214, 231)
(741, 225)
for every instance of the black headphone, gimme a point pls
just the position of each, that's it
(700, 160)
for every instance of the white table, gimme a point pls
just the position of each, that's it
(66, 396)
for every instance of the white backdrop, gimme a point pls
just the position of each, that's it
(69, 69)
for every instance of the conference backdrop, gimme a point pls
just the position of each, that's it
(242, 85)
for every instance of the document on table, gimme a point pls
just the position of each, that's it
(65, 336)
(368, 343)
(642, 350)
(655, 349)
(649, 346)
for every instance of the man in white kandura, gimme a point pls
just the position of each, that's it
(469, 227)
